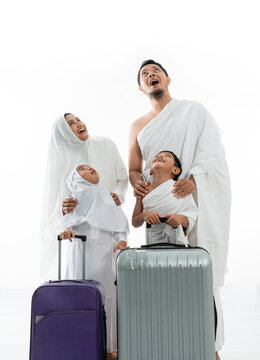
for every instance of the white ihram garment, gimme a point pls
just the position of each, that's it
(104, 224)
(187, 129)
(66, 150)
(161, 200)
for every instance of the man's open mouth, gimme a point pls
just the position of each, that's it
(153, 82)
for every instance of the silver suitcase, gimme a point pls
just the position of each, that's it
(165, 303)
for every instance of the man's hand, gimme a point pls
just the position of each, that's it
(184, 187)
(151, 217)
(67, 234)
(120, 246)
(69, 205)
(116, 199)
(141, 189)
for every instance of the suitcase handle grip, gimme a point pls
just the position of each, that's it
(162, 220)
(81, 237)
(165, 245)
(59, 281)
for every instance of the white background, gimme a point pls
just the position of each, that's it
(83, 57)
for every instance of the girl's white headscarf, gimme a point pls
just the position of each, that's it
(95, 207)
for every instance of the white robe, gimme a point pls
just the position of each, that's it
(161, 200)
(187, 129)
(65, 152)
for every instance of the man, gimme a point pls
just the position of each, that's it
(188, 130)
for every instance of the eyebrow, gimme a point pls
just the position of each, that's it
(153, 67)
(166, 152)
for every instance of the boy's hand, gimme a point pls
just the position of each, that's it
(174, 219)
(184, 187)
(116, 199)
(141, 189)
(69, 205)
(151, 217)
(120, 246)
(67, 234)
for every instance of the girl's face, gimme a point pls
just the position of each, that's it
(88, 173)
(77, 126)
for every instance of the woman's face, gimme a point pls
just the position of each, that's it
(77, 126)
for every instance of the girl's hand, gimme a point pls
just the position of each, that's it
(120, 246)
(67, 234)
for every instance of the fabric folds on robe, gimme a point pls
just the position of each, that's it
(161, 200)
(66, 150)
(95, 207)
(187, 129)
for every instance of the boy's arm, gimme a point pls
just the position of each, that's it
(137, 217)
(140, 216)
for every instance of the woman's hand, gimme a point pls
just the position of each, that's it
(141, 189)
(151, 217)
(67, 234)
(120, 246)
(69, 205)
(184, 187)
(116, 199)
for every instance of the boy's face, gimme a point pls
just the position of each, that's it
(88, 173)
(164, 160)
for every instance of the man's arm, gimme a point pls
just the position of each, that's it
(136, 164)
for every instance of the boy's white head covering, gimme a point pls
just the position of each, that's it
(95, 206)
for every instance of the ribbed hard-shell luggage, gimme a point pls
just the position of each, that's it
(165, 303)
(68, 319)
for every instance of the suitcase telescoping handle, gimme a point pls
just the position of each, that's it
(161, 244)
(83, 238)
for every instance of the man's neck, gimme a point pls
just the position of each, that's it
(158, 104)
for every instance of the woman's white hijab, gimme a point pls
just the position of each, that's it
(65, 151)
(95, 207)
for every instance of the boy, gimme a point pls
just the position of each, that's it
(160, 202)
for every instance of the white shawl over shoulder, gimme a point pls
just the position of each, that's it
(187, 129)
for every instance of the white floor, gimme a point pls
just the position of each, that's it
(241, 310)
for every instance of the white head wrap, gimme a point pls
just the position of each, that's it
(65, 151)
(95, 207)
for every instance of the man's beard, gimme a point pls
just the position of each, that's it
(157, 94)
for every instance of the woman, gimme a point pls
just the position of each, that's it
(71, 145)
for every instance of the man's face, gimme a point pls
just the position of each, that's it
(164, 160)
(153, 80)
(88, 173)
(77, 126)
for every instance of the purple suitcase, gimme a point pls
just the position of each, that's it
(68, 319)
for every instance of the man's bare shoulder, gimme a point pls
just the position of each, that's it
(141, 122)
